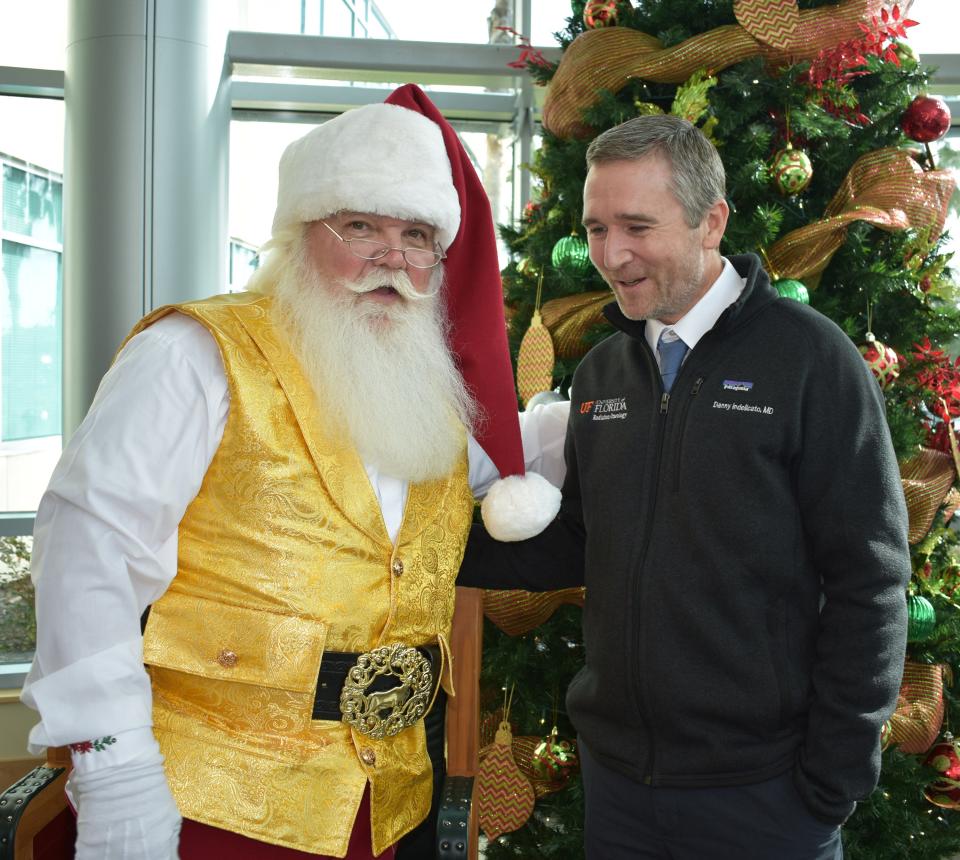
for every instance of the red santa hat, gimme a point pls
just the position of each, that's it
(404, 160)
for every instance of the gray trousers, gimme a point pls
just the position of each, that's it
(626, 820)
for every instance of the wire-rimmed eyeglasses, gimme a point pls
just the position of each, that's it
(367, 249)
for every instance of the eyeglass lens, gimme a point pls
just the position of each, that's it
(422, 258)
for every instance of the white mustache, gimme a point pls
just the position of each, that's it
(395, 278)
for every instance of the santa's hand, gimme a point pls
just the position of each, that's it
(125, 811)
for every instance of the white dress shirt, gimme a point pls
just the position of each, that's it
(703, 316)
(106, 528)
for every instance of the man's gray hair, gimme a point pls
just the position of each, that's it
(698, 178)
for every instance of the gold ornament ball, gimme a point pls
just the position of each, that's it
(791, 170)
(600, 13)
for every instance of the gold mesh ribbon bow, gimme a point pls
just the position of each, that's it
(569, 317)
(886, 188)
(609, 57)
(927, 478)
(516, 612)
(916, 722)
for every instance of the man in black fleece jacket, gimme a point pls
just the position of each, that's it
(741, 534)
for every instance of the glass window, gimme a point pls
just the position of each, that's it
(337, 18)
(32, 205)
(936, 32)
(377, 27)
(31, 299)
(30, 342)
(255, 150)
(311, 12)
(548, 17)
(947, 155)
(243, 263)
(271, 16)
(33, 35)
(18, 626)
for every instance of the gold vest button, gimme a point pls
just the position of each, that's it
(368, 756)
(397, 567)
(227, 659)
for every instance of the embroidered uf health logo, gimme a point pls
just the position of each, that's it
(586, 406)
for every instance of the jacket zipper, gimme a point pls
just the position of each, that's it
(640, 691)
(639, 683)
(683, 432)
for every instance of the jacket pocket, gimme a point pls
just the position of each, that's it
(234, 643)
(777, 639)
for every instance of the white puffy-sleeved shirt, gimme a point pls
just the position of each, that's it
(105, 537)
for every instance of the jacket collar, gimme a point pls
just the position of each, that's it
(757, 293)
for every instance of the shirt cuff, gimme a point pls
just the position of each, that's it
(95, 697)
(111, 750)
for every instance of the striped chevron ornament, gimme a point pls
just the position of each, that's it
(772, 22)
(505, 796)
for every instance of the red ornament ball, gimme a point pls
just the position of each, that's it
(600, 13)
(944, 758)
(881, 359)
(927, 118)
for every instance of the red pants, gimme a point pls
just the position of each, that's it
(203, 842)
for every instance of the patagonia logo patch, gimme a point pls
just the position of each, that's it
(612, 408)
(736, 385)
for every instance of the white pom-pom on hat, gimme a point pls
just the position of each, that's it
(519, 507)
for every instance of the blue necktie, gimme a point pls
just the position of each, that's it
(671, 357)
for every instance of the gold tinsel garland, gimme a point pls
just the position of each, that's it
(927, 478)
(517, 612)
(916, 722)
(606, 59)
(886, 188)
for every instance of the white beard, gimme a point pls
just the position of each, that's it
(383, 374)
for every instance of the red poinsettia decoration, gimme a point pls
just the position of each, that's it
(940, 375)
(529, 56)
(832, 70)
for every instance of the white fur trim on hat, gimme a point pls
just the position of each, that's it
(519, 507)
(382, 159)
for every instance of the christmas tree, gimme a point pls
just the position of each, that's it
(820, 113)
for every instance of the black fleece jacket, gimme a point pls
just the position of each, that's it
(743, 541)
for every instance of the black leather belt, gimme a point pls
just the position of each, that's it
(333, 674)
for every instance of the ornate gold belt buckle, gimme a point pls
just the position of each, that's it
(384, 713)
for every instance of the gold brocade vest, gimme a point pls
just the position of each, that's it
(283, 554)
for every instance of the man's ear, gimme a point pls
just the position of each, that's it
(714, 224)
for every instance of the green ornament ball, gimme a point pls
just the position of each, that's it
(791, 289)
(921, 618)
(571, 253)
(791, 170)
